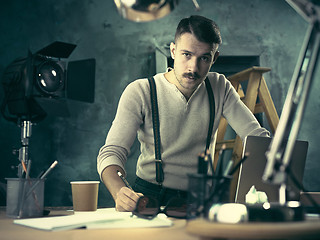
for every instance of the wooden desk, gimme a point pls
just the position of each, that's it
(309, 229)
(181, 230)
(11, 231)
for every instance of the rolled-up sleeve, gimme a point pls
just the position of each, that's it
(239, 116)
(123, 131)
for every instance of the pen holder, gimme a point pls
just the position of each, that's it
(204, 191)
(25, 197)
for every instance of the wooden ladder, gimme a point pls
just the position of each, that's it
(256, 87)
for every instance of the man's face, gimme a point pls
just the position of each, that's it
(192, 61)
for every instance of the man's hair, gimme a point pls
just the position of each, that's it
(204, 29)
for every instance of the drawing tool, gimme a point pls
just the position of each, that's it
(49, 169)
(28, 170)
(220, 160)
(41, 178)
(235, 168)
(24, 166)
(208, 155)
(227, 169)
(202, 164)
(124, 180)
(24, 186)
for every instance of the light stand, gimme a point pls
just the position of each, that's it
(281, 147)
(26, 131)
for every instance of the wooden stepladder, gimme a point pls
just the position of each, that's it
(256, 87)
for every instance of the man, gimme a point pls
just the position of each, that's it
(183, 115)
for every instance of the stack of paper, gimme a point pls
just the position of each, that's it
(102, 218)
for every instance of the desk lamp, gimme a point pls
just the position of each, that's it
(280, 151)
(281, 147)
(147, 10)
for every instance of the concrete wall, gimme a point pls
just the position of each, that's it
(123, 51)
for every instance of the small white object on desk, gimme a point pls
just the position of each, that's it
(254, 196)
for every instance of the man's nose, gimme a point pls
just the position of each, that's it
(193, 65)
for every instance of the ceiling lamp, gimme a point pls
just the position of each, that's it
(145, 10)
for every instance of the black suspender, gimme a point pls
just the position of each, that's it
(212, 112)
(156, 131)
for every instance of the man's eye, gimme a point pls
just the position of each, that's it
(186, 54)
(205, 59)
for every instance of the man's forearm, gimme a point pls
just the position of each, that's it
(112, 180)
(125, 198)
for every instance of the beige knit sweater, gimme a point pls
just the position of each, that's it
(183, 127)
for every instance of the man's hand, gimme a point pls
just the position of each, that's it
(126, 200)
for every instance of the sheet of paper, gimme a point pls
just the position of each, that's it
(130, 221)
(102, 218)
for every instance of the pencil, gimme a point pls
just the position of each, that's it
(42, 177)
(124, 180)
(220, 160)
(49, 169)
(24, 166)
(235, 168)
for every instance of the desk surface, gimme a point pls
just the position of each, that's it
(11, 231)
(181, 230)
(308, 229)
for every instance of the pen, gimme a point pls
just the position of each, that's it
(40, 174)
(23, 198)
(208, 155)
(235, 168)
(28, 170)
(228, 168)
(42, 177)
(124, 180)
(49, 169)
(220, 160)
(202, 164)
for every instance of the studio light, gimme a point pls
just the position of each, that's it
(49, 77)
(40, 83)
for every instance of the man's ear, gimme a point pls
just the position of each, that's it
(172, 49)
(216, 55)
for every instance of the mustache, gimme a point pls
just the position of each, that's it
(193, 75)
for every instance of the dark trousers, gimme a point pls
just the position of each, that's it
(162, 194)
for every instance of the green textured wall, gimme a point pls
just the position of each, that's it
(123, 50)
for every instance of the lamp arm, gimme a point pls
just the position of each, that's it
(280, 150)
